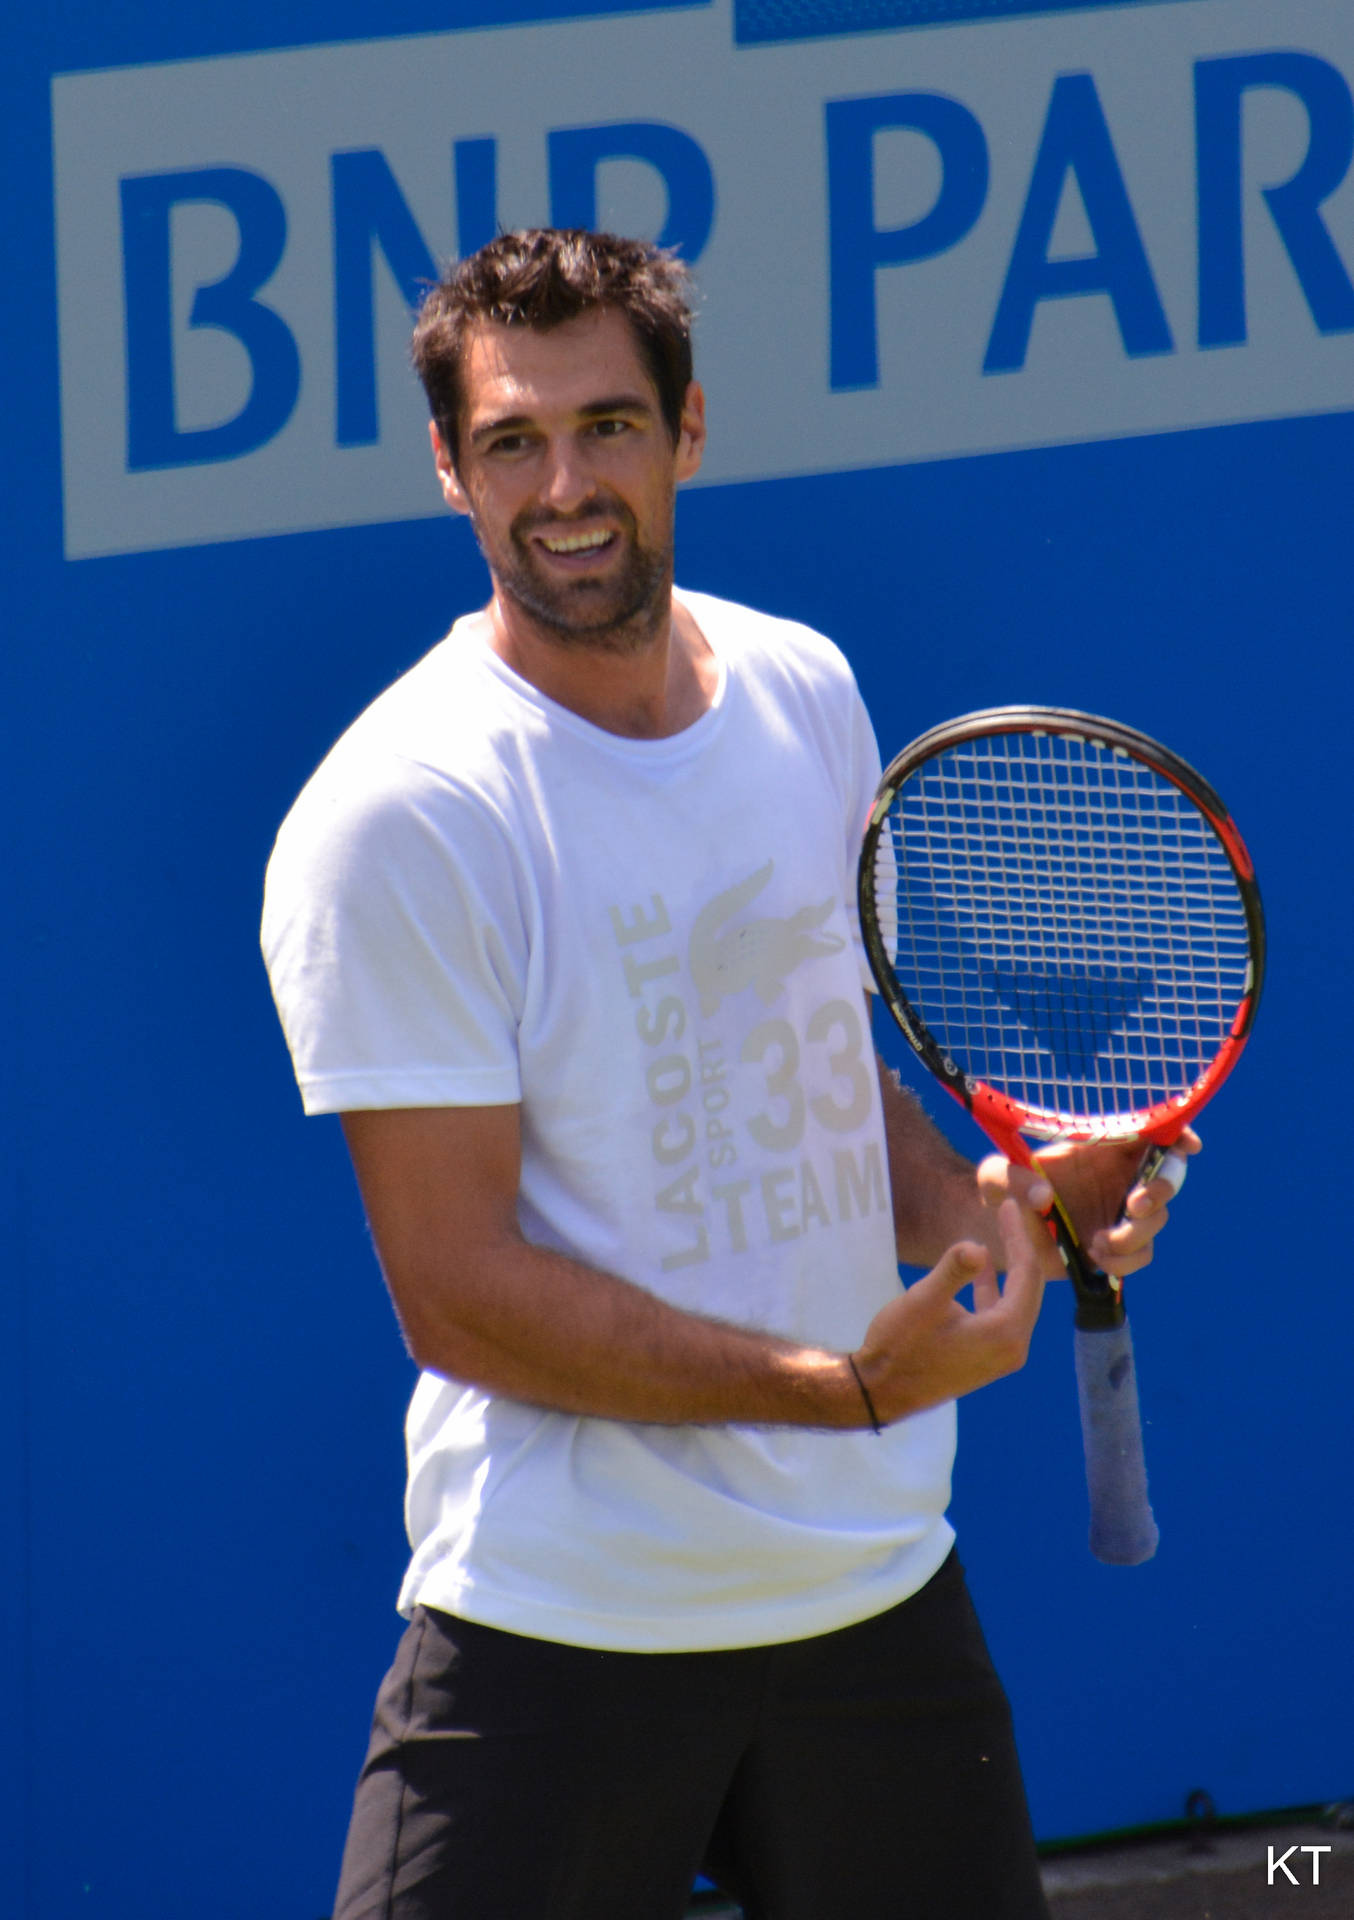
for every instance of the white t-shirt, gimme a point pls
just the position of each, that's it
(481, 898)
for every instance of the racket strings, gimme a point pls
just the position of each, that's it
(1064, 921)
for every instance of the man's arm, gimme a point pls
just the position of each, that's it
(479, 1303)
(936, 1196)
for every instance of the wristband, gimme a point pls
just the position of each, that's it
(864, 1394)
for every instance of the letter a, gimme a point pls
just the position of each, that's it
(1077, 141)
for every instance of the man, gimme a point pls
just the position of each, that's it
(563, 929)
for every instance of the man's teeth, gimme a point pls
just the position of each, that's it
(576, 542)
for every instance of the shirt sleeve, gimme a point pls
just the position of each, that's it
(396, 944)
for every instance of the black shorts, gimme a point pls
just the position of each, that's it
(867, 1774)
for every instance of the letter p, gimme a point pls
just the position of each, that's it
(575, 153)
(857, 248)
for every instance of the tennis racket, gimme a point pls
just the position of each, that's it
(1064, 922)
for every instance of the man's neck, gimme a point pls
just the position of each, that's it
(643, 686)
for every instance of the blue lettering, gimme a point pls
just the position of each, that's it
(1076, 140)
(369, 210)
(577, 152)
(1218, 89)
(856, 247)
(154, 438)
(476, 164)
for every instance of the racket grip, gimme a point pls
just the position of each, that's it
(1123, 1531)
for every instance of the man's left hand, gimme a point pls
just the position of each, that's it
(1117, 1220)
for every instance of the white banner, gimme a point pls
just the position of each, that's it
(910, 245)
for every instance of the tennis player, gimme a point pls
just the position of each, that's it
(563, 927)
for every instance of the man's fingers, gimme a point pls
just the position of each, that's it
(1172, 1171)
(1023, 1234)
(965, 1263)
(1155, 1194)
(1026, 1246)
(1000, 1179)
(960, 1264)
(986, 1287)
(1127, 1247)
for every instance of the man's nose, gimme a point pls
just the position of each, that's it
(567, 480)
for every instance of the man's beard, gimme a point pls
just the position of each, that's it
(617, 614)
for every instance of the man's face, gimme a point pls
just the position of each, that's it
(568, 472)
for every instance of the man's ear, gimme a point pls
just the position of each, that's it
(452, 491)
(691, 433)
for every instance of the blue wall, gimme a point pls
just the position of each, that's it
(201, 1383)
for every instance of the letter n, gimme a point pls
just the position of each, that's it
(154, 438)
(369, 211)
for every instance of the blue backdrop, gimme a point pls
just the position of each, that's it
(201, 1383)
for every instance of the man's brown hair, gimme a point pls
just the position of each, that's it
(541, 277)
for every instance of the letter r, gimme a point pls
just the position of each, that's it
(1220, 87)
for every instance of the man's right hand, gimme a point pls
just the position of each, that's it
(925, 1347)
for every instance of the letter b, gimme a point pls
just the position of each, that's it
(154, 438)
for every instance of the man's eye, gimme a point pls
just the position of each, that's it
(608, 429)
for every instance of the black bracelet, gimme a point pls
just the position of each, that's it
(864, 1394)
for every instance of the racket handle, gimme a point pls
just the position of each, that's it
(1123, 1531)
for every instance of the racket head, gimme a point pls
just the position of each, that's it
(1064, 921)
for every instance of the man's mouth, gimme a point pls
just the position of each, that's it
(575, 542)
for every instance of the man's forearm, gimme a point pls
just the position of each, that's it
(479, 1303)
(537, 1326)
(935, 1192)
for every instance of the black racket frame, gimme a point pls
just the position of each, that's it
(1099, 1296)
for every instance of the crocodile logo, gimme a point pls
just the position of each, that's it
(761, 953)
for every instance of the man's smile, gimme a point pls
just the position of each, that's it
(563, 543)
